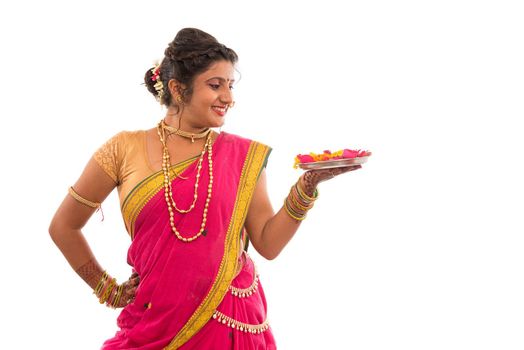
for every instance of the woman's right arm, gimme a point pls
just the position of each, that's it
(66, 226)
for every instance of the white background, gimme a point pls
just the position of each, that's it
(420, 249)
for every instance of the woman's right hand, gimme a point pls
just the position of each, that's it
(129, 290)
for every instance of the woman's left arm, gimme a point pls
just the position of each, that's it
(269, 232)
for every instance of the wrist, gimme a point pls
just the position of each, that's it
(308, 184)
(108, 291)
(298, 202)
(91, 273)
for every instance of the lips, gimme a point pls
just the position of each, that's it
(219, 110)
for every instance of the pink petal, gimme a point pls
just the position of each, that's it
(349, 153)
(305, 158)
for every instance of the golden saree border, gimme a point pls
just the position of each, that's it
(139, 196)
(255, 161)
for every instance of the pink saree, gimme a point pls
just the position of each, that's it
(186, 297)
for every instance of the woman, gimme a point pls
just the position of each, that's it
(191, 200)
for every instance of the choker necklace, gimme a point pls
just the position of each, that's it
(187, 135)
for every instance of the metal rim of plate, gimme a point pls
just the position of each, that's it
(329, 164)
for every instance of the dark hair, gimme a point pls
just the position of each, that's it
(189, 54)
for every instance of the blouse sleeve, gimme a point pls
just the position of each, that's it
(266, 151)
(269, 149)
(109, 157)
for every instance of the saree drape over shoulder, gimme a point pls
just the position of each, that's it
(199, 295)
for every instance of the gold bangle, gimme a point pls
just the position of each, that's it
(118, 295)
(296, 201)
(100, 284)
(304, 195)
(111, 300)
(82, 200)
(296, 216)
(107, 292)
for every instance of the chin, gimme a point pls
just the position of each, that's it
(217, 123)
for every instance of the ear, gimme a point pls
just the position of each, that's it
(175, 88)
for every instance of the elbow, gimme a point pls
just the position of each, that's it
(270, 255)
(267, 254)
(55, 231)
(52, 230)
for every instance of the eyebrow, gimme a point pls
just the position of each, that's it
(221, 79)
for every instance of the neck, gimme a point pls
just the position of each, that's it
(180, 132)
(177, 120)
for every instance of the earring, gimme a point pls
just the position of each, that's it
(179, 100)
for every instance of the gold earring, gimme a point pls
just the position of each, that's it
(179, 100)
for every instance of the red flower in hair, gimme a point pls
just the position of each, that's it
(156, 73)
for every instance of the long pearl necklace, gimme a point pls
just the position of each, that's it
(168, 189)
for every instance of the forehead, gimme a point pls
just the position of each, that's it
(220, 69)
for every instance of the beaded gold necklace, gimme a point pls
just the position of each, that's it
(166, 162)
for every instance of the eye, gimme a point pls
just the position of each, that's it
(231, 87)
(214, 86)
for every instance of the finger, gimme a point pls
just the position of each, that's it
(132, 282)
(129, 299)
(131, 293)
(329, 174)
(322, 173)
(133, 275)
(343, 170)
(126, 299)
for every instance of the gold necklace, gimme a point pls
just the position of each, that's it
(187, 135)
(168, 189)
(166, 161)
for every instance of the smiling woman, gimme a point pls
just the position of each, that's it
(191, 199)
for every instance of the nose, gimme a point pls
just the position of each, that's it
(227, 96)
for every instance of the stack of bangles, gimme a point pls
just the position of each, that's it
(298, 203)
(108, 291)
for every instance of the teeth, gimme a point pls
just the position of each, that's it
(221, 109)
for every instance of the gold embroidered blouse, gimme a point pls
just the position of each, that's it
(124, 158)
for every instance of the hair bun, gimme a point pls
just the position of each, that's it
(190, 43)
(193, 36)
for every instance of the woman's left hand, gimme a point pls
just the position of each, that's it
(311, 178)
